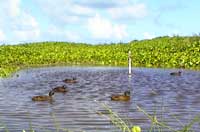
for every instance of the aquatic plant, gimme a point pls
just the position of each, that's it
(157, 125)
(30, 131)
(162, 52)
(119, 122)
(136, 129)
(3, 127)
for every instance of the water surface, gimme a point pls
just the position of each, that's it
(154, 90)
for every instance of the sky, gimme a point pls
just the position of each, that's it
(96, 21)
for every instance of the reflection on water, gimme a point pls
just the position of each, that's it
(151, 89)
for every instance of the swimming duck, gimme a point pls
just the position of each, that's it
(73, 80)
(175, 73)
(60, 89)
(44, 98)
(125, 97)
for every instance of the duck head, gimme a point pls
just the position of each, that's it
(127, 93)
(51, 93)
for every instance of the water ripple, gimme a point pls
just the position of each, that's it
(151, 89)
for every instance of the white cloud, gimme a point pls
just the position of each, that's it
(73, 12)
(129, 11)
(22, 26)
(81, 10)
(72, 36)
(147, 35)
(65, 11)
(103, 4)
(14, 7)
(2, 36)
(10, 7)
(56, 34)
(53, 30)
(26, 35)
(24, 21)
(25, 27)
(101, 28)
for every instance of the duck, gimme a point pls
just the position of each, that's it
(125, 97)
(73, 80)
(175, 73)
(44, 98)
(60, 89)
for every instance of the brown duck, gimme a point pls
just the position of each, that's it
(73, 80)
(44, 98)
(176, 73)
(60, 89)
(125, 97)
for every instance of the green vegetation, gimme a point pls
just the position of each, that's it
(119, 122)
(162, 52)
(157, 125)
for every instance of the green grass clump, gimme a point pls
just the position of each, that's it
(119, 122)
(158, 126)
(162, 52)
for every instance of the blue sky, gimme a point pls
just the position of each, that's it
(96, 21)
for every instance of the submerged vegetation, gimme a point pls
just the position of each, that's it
(162, 52)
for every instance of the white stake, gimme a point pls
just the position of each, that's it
(129, 63)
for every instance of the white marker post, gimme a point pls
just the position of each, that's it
(129, 71)
(129, 63)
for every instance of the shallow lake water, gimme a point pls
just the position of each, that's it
(173, 98)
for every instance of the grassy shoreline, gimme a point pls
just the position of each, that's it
(161, 52)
